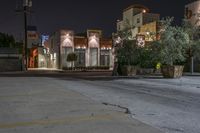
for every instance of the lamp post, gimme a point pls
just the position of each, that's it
(26, 4)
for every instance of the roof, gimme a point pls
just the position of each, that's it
(137, 6)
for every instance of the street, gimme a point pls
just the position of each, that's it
(49, 105)
(172, 105)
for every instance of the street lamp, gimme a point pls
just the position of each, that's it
(26, 4)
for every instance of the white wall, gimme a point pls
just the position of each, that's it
(135, 18)
(195, 8)
(127, 15)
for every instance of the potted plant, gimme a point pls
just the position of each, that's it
(146, 60)
(171, 49)
(126, 51)
(128, 56)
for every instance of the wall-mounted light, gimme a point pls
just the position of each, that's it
(93, 37)
(144, 11)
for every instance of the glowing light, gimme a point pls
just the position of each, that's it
(118, 40)
(93, 37)
(78, 47)
(144, 11)
(93, 41)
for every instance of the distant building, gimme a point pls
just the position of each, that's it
(33, 37)
(192, 12)
(140, 19)
(38, 57)
(91, 48)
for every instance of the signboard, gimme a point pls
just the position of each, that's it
(45, 38)
(32, 35)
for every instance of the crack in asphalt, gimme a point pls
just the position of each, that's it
(127, 110)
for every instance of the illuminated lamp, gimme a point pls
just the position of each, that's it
(144, 11)
(78, 47)
(93, 37)
(118, 40)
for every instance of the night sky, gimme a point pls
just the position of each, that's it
(79, 15)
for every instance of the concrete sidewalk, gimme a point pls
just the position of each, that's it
(43, 105)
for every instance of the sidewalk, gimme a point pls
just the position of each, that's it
(44, 105)
(191, 74)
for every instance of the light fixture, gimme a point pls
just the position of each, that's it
(144, 11)
(118, 40)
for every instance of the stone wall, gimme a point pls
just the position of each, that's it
(10, 64)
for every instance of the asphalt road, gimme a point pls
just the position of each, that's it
(50, 105)
(173, 106)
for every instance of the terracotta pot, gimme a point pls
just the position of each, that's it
(172, 71)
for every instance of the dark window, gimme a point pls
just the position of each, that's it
(138, 20)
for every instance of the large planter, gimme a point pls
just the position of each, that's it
(129, 70)
(172, 71)
(145, 71)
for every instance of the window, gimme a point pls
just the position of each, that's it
(105, 58)
(119, 27)
(51, 43)
(81, 57)
(138, 20)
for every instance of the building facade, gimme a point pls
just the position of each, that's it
(141, 21)
(192, 12)
(91, 49)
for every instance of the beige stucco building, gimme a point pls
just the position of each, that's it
(192, 12)
(140, 19)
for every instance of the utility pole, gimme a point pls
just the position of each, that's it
(25, 39)
(26, 4)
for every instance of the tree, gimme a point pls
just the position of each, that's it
(7, 40)
(72, 57)
(173, 43)
(128, 54)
